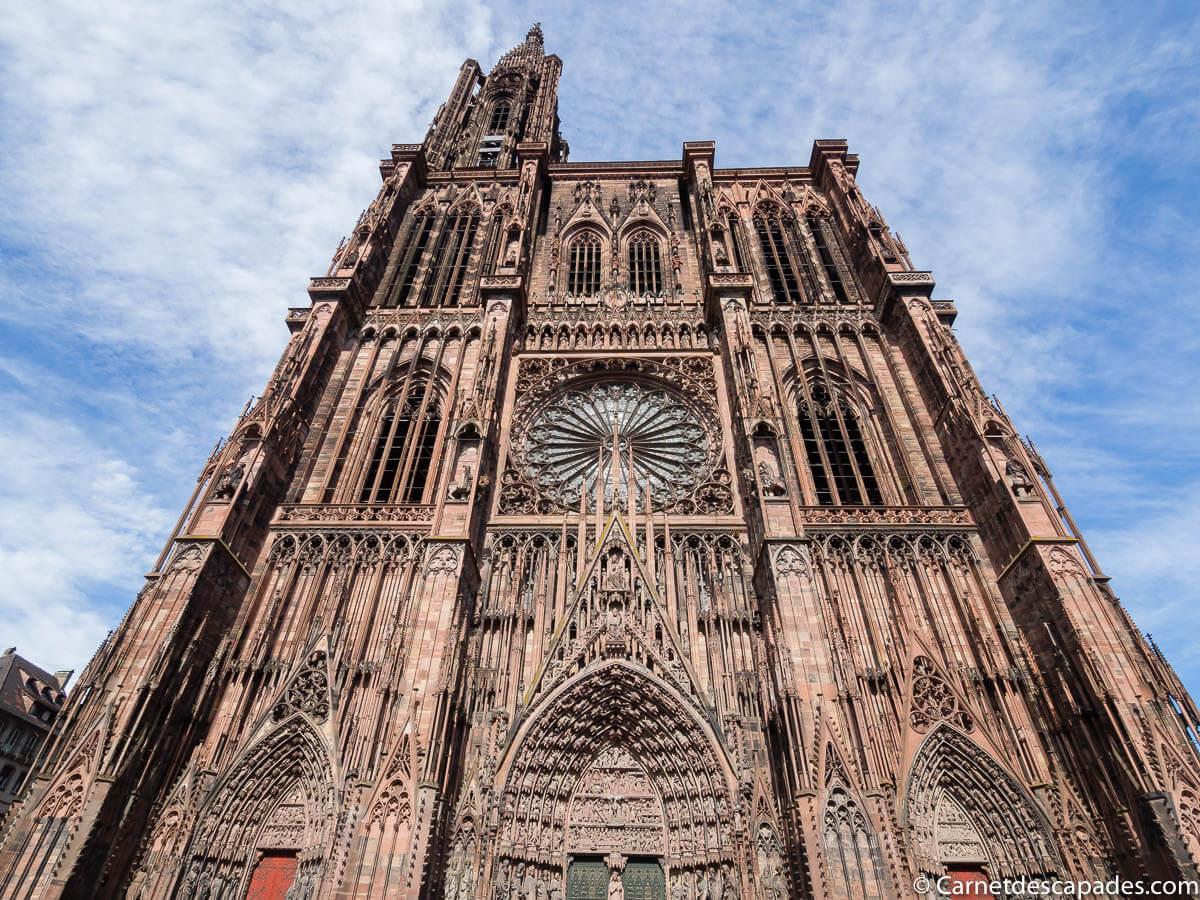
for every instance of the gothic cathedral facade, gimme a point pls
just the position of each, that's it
(623, 529)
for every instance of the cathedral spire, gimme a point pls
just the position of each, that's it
(528, 53)
(488, 115)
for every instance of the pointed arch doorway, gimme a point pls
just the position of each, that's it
(616, 788)
(616, 811)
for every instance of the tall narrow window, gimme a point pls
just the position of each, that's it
(782, 276)
(402, 450)
(645, 263)
(851, 852)
(451, 254)
(583, 278)
(501, 110)
(736, 256)
(410, 262)
(816, 226)
(422, 455)
(835, 450)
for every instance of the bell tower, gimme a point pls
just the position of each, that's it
(487, 116)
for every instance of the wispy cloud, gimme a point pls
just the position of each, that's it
(181, 169)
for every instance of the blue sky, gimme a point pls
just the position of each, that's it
(172, 174)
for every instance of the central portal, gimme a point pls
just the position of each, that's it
(592, 879)
(616, 832)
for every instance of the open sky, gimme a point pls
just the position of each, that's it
(171, 174)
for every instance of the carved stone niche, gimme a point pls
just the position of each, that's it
(1016, 475)
(466, 463)
(766, 461)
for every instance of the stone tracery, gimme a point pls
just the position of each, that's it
(403, 695)
(603, 437)
(281, 789)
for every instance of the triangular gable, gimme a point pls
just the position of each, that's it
(564, 650)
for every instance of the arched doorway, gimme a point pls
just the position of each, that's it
(970, 819)
(263, 829)
(615, 787)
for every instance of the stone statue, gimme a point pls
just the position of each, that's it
(772, 484)
(720, 254)
(1018, 478)
(228, 484)
(717, 886)
(616, 890)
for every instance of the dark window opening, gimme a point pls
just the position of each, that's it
(501, 111)
(451, 255)
(781, 273)
(836, 451)
(831, 270)
(400, 448)
(645, 264)
(583, 277)
(410, 262)
(735, 245)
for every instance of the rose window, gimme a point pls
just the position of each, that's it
(596, 436)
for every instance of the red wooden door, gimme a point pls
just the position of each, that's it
(969, 875)
(273, 876)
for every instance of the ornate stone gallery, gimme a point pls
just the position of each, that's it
(614, 530)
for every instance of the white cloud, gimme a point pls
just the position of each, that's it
(75, 518)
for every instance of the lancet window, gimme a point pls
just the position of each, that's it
(850, 854)
(835, 448)
(401, 450)
(817, 227)
(645, 263)
(448, 272)
(583, 277)
(501, 111)
(783, 273)
(414, 253)
(737, 256)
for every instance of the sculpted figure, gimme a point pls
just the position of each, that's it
(616, 890)
(720, 254)
(717, 887)
(229, 482)
(1018, 477)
